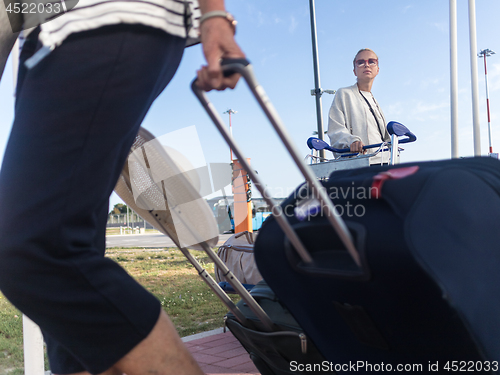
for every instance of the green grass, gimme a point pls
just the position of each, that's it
(11, 340)
(166, 273)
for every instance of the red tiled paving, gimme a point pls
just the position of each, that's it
(221, 353)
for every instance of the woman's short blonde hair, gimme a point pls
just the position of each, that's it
(362, 50)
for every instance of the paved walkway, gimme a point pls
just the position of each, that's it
(220, 353)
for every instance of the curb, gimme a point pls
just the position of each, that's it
(203, 335)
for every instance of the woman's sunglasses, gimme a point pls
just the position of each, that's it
(361, 62)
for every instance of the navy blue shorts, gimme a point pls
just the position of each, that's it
(77, 114)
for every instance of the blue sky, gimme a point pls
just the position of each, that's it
(411, 38)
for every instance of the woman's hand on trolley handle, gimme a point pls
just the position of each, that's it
(217, 38)
(357, 146)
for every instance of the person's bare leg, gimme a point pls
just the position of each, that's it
(162, 352)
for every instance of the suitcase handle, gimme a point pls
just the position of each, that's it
(318, 190)
(331, 259)
(226, 63)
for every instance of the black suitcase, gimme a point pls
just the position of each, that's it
(426, 297)
(284, 351)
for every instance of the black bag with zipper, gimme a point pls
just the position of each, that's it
(428, 288)
(286, 350)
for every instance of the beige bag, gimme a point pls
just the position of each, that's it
(7, 37)
(154, 185)
(237, 254)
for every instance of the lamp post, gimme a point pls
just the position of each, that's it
(229, 112)
(486, 53)
(475, 89)
(242, 215)
(317, 84)
(317, 92)
(454, 78)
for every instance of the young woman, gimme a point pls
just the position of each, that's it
(355, 118)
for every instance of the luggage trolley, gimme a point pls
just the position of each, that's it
(322, 167)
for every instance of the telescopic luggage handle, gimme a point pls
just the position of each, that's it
(243, 67)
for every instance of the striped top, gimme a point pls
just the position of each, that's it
(176, 17)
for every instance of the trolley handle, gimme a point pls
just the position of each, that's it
(393, 127)
(396, 128)
(319, 144)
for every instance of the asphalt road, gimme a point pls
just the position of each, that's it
(147, 240)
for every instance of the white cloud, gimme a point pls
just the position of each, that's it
(268, 57)
(429, 82)
(407, 8)
(429, 107)
(441, 26)
(293, 24)
(394, 109)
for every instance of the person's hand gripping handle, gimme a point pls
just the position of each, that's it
(217, 37)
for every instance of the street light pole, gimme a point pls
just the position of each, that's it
(317, 84)
(486, 53)
(475, 89)
(230, 111)
(242, 215)
(454, 79)
(317, 92)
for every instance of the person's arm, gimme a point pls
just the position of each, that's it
(338, 125)
(217, 38)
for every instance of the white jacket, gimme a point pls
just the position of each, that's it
(348, 118)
